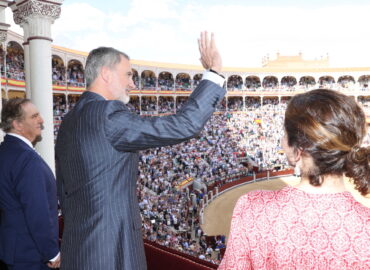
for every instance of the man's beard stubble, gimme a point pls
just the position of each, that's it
(125, 99)
(39, 137)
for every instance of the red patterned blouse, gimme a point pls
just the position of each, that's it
(292, 229)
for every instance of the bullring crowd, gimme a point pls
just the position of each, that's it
(171, 214)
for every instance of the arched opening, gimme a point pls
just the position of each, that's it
(165, 81)
(75, 74)
(234, 83)
(59, 106)
(235, 104)
(148, 80)
(326, 82)
(183, 82)
(59, 110)
(196, 79)
(365, 102)
(149, 105)
(166, 105)
(58, 70)
(135, 78)
(72, 100)
(288, 83)
(2, 61)
(252, 83)
(15, 61)
(346, 82)
(270, 83)
(307, 82)
(134, 104)
(221, 107)
(285, 99)
(364, 82)
(270, 101)
(252, 103)
(180, 101)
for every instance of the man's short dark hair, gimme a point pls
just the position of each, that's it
(11, 111)
(101, 57)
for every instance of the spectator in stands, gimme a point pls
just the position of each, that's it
(28, 199)
(317, 224)
(96, 186)
(58, 72)
(75, 74)
(15, 64)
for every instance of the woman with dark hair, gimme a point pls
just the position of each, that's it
(316, 224)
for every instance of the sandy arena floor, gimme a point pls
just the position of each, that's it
(217, 215)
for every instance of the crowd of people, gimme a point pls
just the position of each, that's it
(151, 105)
(61, 108)
(183, 82)
(234, 83)
(170, 215)
(149, 81)
(15, 64)
(165, 81)
(75, 74)
(243, 136)
(58, 72)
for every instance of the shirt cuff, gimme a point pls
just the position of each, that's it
(213, 77)
(55, 258)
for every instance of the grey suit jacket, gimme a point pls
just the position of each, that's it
(97, 167)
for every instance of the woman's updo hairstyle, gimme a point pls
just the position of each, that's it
(329, 126)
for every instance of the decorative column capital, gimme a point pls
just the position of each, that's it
(3, 25)
(24, 9)
(3, 35)
(38, 14)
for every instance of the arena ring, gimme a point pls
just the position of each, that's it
(218, 212)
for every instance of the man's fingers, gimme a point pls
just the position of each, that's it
(207, 49)
(201, 42)
(206, 40)
(200, 46)
(213, 43)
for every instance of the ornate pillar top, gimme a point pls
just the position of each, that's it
(24, 9)
(3, 25)
(37, 14)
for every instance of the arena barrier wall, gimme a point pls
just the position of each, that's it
(217, 190)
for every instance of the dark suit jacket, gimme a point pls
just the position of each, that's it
(28, 205)
(97, 167)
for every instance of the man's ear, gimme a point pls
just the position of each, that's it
(106, 74)
(17, 125)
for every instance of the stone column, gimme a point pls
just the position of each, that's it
(3, 35)
(36, 18)
(27, 69)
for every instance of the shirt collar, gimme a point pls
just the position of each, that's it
(22, 138)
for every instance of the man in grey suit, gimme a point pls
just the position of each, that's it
(97, 158)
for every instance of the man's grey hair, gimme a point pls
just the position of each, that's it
(12, 110)
(101, 57)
